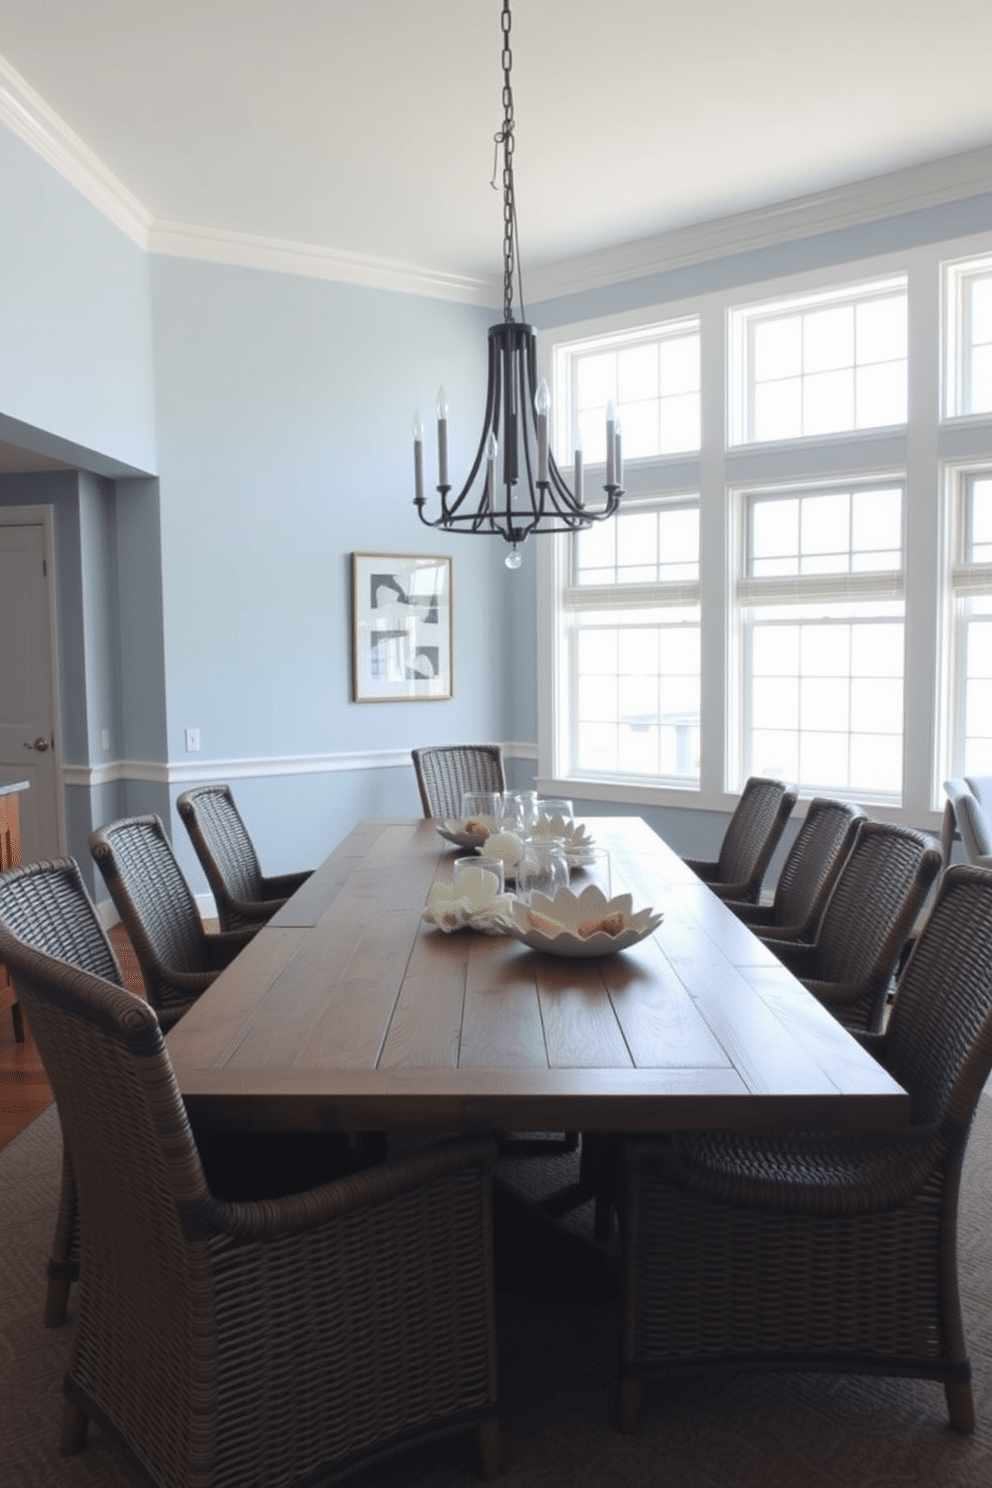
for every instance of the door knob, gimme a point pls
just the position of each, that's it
(41, 744)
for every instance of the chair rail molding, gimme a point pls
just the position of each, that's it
(175, 772)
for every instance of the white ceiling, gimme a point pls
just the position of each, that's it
(367, 127)
(364, 128)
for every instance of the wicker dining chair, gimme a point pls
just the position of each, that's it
(752, 835)
(869, 917)
(825, 1251)
(808, 874)
(244, 896)
(445, 772)
(243, 1344)
(47, 906)
(968, 816)
(177, 956)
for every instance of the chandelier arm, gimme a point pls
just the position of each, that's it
(516, 410)
(490, 423)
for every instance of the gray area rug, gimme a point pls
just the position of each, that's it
(557, 1373)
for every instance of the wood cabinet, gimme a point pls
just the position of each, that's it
(10, 856)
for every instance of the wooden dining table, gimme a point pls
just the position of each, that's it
(349, 1012)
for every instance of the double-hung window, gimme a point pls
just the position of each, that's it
(968, 373)
(830, 363)
(971, 591)
(652, 377)
(820, 607)
(630, 647)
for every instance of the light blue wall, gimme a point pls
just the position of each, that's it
(75, 317)
(284, 408)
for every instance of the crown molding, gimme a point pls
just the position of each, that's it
(242, 250)
(952, 178)
(28, 116)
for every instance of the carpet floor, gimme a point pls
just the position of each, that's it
(557, 1366)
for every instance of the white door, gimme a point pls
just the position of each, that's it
(27, 691)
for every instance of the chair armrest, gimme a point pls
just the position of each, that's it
(798, 956)
(753, 914)
(742, 892)
(190, 983)
(875, 1043)
(271, 1218)
(706, 871)
(222, 946)
(842, 994)
(828, 1173)
(283, 885)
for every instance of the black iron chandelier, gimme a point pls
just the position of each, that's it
(528, 494)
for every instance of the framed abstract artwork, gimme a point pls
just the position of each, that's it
(400, 628)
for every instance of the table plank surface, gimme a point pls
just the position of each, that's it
(348, 1012)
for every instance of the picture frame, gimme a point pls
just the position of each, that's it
(401, 628)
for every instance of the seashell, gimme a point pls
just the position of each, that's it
(610, 925)
(505, 845)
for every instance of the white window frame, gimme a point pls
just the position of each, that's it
(800, 589)
(957, 276)
(576, 600)
(963, 580)
(565, 357)
(923, 449)
(743, 319)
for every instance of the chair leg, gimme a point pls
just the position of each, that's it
(74, 1424)
(630, 1403)
(18, 1020)
(487, 1449)
(960, 1405)
(56, 1301)
(63, 1266)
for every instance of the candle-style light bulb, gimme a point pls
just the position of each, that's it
(418, 458)
(542, 403)
(618, 456)
(611, 447)
(577, 473)
(442, 437)
(492, 449)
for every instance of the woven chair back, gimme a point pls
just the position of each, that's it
(814, 861)
(877, 896)
(754, 830)
(446, 772)
(47, 906)
(152, 897)
(938, 1044)
(225, 850)
(142, 1191)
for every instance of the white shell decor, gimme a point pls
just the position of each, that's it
(467, 831)
(575, 835)
(476, 908)
(584, 924)
(507, 846)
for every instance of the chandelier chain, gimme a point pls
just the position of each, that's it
(505, 138)
(525, 493)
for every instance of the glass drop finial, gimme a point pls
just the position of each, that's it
(514, 559)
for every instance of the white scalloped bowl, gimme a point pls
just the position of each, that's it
(574, 835)
(453, 830)
(568, 911)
